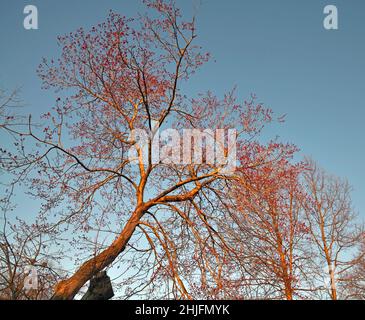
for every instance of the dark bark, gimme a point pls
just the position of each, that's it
(100, 288)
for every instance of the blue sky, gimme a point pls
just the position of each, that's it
(277, 49)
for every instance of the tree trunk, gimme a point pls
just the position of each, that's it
(100, 288)
(333, 284)
(67, 289)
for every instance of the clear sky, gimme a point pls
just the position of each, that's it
(277, 49)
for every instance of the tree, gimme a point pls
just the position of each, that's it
(353, 281)
(123, 76)
(272, 232)
(28, 260)
(332, 223)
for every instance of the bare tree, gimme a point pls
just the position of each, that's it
(273, 231)
(28, 258)
(332, 223)
(352, 283)
(121, 76)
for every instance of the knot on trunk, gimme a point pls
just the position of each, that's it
(100, 288)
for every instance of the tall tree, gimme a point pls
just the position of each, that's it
(332, 223)
(29, 261)
(121, 77)
(273, 230)
(352, 283)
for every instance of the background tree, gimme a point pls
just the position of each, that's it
(271, 232)
(332, 223)
(352, 283)
(28, 259)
